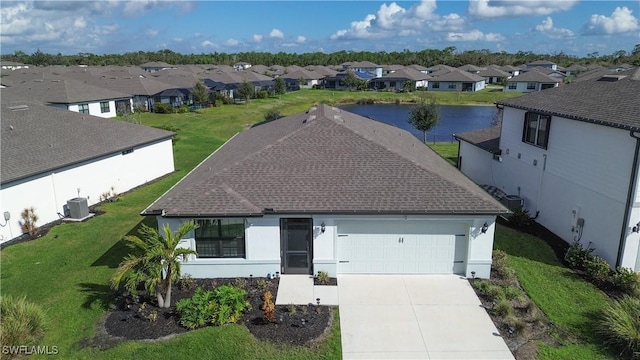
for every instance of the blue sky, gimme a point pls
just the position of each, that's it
(113, 27)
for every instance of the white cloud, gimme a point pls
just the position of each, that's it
(393, 20)
(621, 21)
(503, 8)
(233, 42)
(474, 35)
(207, 43)
(547, 28)
(137, 7)
(275, 33)
(257, 37)
(152, 32)
(301, 39)
(80, 23)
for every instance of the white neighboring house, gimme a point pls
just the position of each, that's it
(573, 154)
(12, 65)
(75, 96)
(50, 156)
(542, 64)
(239, 66)
(155, 66)
(366, 67)
(531, 81)
(328, 190)
(457, 80)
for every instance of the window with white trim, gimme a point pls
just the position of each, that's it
(513, 86)
(220, 238)
(104, 107)
(435, 85)
(531, 86)
(536, 129)
(83, 108)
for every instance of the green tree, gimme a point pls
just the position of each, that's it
(408, 86)
(200, 93)
(154, 261)
(246, 90)
(425, 115)
(280, 87)
(350, 79)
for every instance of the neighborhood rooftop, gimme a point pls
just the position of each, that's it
(610, 100)
(325, 160)
(36, 138)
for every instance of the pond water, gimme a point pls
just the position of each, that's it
(453, 118)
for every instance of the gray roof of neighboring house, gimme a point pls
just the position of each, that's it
(393, 67)
(156, 64)
(61, 91)
(417, 67)
(39, 139)
(487, 139)
(325, 160)
(406, 74)
(540, 63)
(364, 64)
(608, 100)
(457, 76)
(470, 68)
(493, 72)
(302, 73)
(534, 76)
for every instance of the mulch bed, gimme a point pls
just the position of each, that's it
(331, 282)
(296, 325)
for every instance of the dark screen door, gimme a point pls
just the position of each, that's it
(295, 236)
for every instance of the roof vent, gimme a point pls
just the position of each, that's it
(18, 107)
(612, 78)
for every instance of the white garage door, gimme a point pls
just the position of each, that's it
(401, 247)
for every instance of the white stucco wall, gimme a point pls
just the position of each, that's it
(476, 163)
(585, 168)
(95, 110)
(262, 243)
(48, 192)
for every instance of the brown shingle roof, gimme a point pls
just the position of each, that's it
(609, 103)
(487, 139)
(324, 161)
(39, 138)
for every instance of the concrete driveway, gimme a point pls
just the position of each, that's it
(415, 317)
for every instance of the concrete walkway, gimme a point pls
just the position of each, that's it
(415, 317)
(299, 290)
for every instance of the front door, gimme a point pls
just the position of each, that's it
(295, 238)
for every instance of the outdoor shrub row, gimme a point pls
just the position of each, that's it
(598, 270)
(217, 307)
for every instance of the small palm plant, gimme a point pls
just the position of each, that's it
(155, 261)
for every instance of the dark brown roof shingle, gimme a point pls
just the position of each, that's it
(324, 161)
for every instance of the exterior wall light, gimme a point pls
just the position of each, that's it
(484, 228)
(322, 227)
(7, 217)
(636, 229)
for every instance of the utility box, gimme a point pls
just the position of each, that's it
(513, 202)
(78, 208)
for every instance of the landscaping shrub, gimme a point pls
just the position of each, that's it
(262, 94)
(520, 219)
(577, 256)
(503, 308)
(619, 326)
(186, 282)
(323, 277)
(230, 302)
(28, 222)
(365, 101)
(198, 310)
(221, 306)
(268, 307)
(182, 109)
(162, 108)
(597, 269)
(272, 114)
(627, 281)
(22, 322)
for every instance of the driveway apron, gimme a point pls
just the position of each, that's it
(415, 317)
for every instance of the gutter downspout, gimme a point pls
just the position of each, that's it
(629, 203)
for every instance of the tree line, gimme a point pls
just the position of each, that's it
(427, 57)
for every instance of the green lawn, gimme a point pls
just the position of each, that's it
(448, 150)
(570, 302)
(67, 271)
